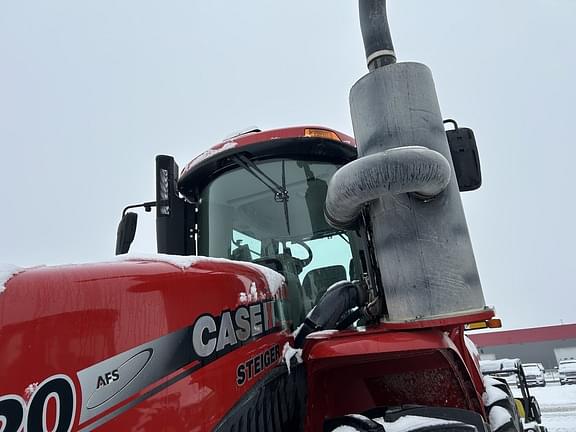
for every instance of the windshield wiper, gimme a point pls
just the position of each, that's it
(280, 191)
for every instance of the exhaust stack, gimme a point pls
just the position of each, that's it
(376, 34)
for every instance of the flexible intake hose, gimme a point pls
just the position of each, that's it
(417, 170)
(376, 33)
(340, 298)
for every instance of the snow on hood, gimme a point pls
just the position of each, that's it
(7, 271)
(274, 279)
(250, 295)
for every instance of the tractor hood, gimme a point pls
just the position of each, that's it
(107, 331)
(208, 284)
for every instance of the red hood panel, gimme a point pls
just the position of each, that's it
(110, 332)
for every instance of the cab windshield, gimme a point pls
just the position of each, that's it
(271, 213)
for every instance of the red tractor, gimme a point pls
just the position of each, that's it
(352, 254)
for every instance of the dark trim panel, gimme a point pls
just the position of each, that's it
(276, 403)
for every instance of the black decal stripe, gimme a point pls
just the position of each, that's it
(140, 398)
(12, 409)
(137, 371)
(138, 368)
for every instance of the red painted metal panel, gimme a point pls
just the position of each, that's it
(357, 370)
(377, 340)
(61, 321)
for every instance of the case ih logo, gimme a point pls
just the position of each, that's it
(213, 336)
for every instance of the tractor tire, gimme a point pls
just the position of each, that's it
(355, 422)
(502, 409)
(359, 423)
(502, 385)
(422, 419)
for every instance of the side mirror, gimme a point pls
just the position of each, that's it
(464, 157)
(175, 217)
(126, 232)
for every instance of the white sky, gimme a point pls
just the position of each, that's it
(90, 92)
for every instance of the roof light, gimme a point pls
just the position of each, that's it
(321, 133)
(494, 323)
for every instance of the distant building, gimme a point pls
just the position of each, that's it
(546, 345)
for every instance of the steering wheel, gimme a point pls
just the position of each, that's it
(303, 261)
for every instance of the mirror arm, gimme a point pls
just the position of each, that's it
(147, 207)
(452, 122)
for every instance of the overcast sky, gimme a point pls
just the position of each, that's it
(91, 91)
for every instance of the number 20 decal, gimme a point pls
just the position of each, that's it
(16, 415)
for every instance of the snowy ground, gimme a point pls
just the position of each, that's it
(558, 404)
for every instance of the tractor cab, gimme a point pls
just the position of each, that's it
(259, 197)
(262, 200)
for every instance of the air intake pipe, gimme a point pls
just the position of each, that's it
(334, 307)
(417, 170)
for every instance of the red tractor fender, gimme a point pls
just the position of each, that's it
(353, 371)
